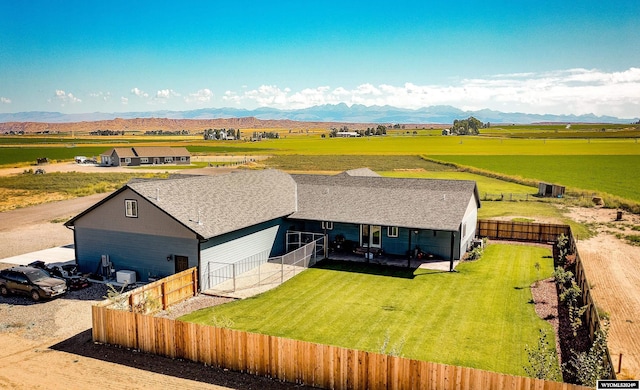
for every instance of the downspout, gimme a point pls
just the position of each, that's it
(369, 245)
(75, 247)
(201, 240)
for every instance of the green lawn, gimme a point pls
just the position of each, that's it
(480, 316)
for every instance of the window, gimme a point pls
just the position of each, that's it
(183, 159)
(144, 160)
(127, 160)
(392, 231)
(168, 159)
(327, 225)
(131, 208)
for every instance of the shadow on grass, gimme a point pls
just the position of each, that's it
(83, 345)
(369, 269)
(377, 269)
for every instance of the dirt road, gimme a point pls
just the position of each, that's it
(613, 271)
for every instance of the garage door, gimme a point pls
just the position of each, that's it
(247, 252)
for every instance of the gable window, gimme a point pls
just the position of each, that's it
(131, 208)
(392, 231)
(328, 225)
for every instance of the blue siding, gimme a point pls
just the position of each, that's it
(436, 242)
(146, 254)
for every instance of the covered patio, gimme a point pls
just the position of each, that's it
(431, 263)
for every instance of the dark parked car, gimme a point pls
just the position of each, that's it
(68, 272)
(30, 281)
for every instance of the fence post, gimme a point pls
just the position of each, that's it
(234, 276)
(164, 295)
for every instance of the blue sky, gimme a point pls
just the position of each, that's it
(559, 57)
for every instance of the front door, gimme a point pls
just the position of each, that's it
(371, 236)
(182, 263)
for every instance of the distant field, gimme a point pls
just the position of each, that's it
(615, 174)
(485, 184)
(479, 317)
(344, 162)
(313, 144)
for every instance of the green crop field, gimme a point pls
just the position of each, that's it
(613, 174)
(485, 184)
(480, 316)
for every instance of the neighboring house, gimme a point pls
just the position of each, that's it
(145, 155)
(159, 227)
(347, 134)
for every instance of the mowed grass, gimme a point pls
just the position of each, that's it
(614, 174)
(480, 316)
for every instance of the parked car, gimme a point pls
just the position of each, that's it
(31, 281)
(68, 272)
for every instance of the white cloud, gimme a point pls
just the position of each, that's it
(104, 96)
(138, 92)
(571, 91)
(63, 97)
(124, 100)
(5, 100)
(201, 96)
(165, 94)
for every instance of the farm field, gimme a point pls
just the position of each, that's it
(613, 174)
(480, 316)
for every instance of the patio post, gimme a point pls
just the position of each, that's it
(453, 242)
(409, 250)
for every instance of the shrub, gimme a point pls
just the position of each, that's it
(543, 360)
(588, 367)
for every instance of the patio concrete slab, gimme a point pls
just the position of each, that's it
(62, 254)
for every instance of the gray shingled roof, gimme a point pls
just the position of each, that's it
(222, 203)
(412, 203)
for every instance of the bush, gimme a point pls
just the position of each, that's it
(543, 360)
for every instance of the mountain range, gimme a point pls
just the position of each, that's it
(339, 113)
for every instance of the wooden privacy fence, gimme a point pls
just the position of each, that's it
(548, 233)
(521, 231)
(160, 294)
(295, 361)
(592, 318)
(303, 362)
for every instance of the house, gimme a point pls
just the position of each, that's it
(145, 155)
(347, 134)
(157, 227)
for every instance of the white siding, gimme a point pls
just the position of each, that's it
(469, 222)
(256, 247)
